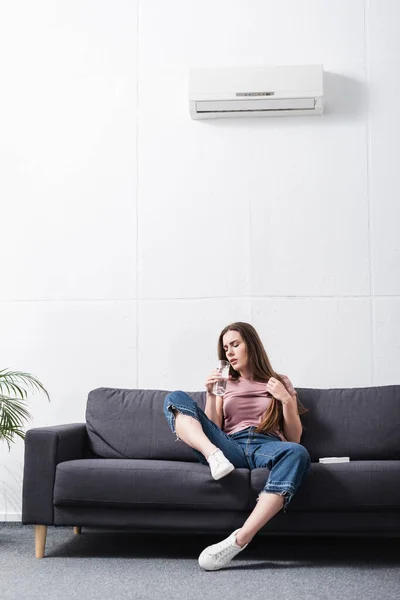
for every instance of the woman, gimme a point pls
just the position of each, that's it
(255, 424)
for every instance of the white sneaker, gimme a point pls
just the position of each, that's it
(219, 464)
(220, 555)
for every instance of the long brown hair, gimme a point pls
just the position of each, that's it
(260, 367)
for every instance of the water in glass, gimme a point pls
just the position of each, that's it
(220, 386)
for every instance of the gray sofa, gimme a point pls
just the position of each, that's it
(123, 468)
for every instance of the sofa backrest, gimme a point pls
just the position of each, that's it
(125, 423)
(363, 423)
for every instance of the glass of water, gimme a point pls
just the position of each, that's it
(220, 385)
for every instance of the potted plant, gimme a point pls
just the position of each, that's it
(13, 397)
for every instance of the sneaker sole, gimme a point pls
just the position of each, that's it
(223, 473)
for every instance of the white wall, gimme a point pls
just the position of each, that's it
(132, 235)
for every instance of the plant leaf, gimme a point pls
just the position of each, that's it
(13, 396)
(12, 415)
(12, 380)
(8, 435)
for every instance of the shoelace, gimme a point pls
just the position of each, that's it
(224, 552)
(217, 458)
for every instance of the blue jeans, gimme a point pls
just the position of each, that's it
(287, 462)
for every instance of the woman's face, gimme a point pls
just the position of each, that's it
(235, 350)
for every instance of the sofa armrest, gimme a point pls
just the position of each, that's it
(45, 447)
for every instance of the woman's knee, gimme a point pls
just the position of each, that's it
(300, 454)
(181, 402)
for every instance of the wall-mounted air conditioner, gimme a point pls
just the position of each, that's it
(256, 91)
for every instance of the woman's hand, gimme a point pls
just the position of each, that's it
(288, 385)
(278, 390)
(212, 378)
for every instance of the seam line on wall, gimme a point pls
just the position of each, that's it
(137, 193)
(194, 298)
(369, 195)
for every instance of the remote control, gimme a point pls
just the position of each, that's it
(334, 459)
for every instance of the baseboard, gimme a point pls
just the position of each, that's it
(10, 517)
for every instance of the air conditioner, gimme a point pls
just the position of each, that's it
(256, 91)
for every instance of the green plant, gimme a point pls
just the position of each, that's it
(13, 397)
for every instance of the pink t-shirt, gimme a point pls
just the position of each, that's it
(244, 404)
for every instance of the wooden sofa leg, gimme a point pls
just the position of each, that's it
(77, 530)
(40, 540)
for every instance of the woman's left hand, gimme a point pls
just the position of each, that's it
(278, 390)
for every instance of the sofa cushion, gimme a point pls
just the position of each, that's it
(370, 485)
(148, 483)
(362, 423)
(131, 424)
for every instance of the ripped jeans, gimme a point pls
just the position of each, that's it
(287, 462)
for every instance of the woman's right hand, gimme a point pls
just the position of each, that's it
(212, 378)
